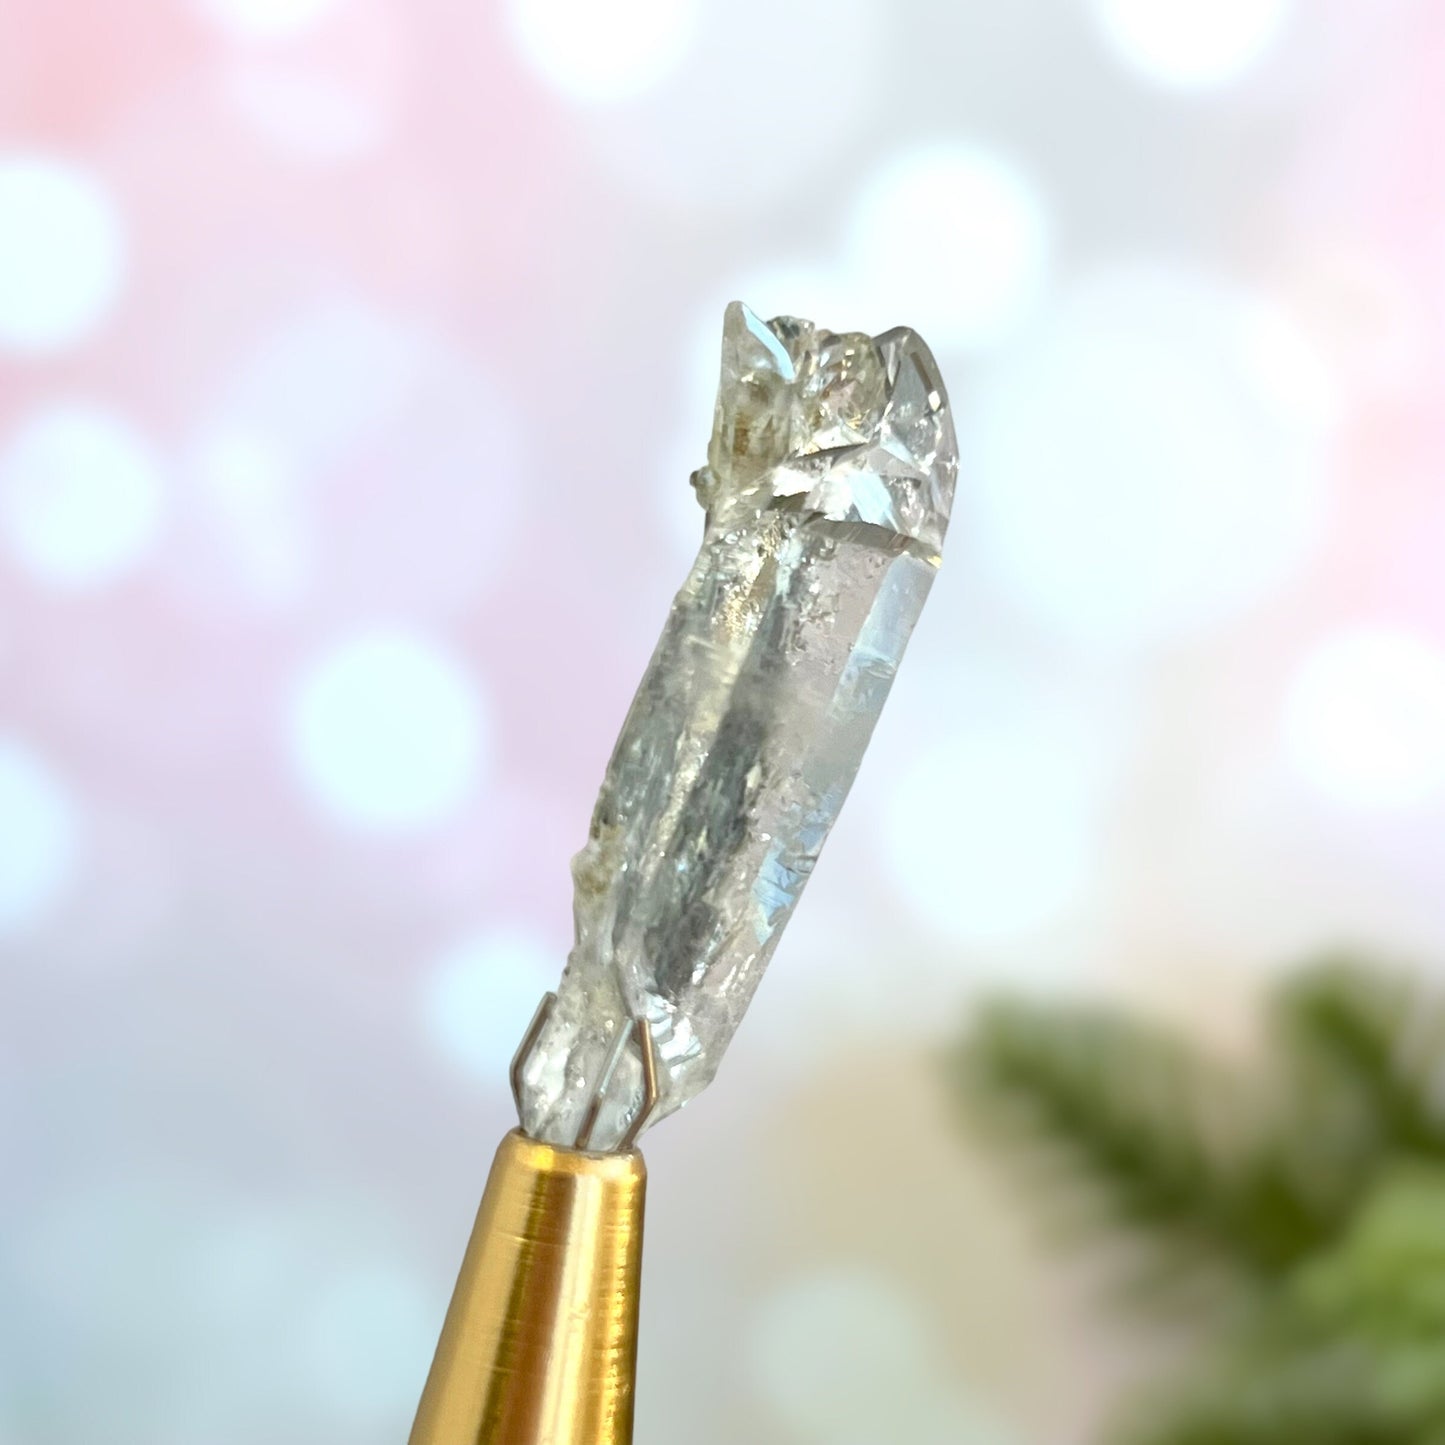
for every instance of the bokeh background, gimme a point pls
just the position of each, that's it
(354, 355)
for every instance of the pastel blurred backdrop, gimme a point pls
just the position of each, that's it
(353, 358)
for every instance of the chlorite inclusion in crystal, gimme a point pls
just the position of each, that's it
(827, 489)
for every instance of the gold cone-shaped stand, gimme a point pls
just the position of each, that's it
(540, 1341)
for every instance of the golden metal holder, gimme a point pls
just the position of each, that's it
(540, 1341)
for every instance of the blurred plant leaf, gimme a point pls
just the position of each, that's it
(1174, 1147)
(1354, 1350)
(1316, 1181)
(1376, 1036)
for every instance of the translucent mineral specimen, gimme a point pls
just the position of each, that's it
(828, 485)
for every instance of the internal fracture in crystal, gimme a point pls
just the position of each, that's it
(827, 491)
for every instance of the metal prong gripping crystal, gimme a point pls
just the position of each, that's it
(639, 1034)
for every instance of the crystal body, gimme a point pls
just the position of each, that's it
(828, 485)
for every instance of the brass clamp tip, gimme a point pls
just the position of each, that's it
(539, 1346)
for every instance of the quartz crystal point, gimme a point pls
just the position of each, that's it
(827, 489)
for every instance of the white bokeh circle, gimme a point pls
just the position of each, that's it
(365, 1337)
(603, 52)
(843, 1357)
(268, 19)
(349, 409)
(157, 1263)
(828, 1350)
(1364, 719)
(39, 837)
(1191, 44)
(724, 131)
(388, 730)
(82, 495)
(62, 253)
(480, 996)
(327, 380)
(996, 834)
(954, 241)
(250, 487)
(1140, 469)
(307, 113)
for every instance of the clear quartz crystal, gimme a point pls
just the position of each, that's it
(828, 485)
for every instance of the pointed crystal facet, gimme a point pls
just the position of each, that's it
(828, 485)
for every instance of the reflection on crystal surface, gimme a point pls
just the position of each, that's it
(828, 485)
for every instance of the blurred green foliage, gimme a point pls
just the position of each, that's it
(1296, 1208)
